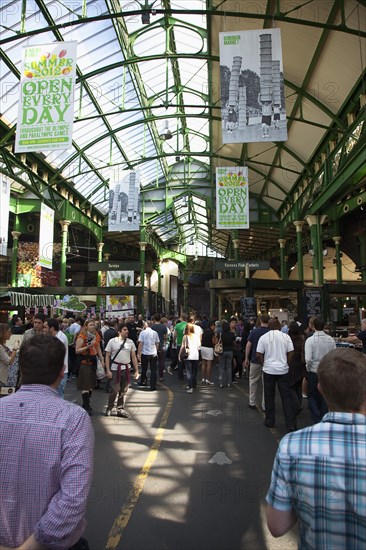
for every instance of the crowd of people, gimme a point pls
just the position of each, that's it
(110, 354)
(301, 360)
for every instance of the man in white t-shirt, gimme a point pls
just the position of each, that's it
(147, 352)
(274, 352)
(120, 352)
(52, 327)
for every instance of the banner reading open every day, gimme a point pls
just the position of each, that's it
(232, 198)
(46, 106)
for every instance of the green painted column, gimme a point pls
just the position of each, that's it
(158, 270)
(140, 297)
(14, 258)
(320, 221)
(64, 232)
(337, 242)
(99, 274)
(300, 262)
(185, 291)
(212, 303)
(236, 243)
(282, 243)
(315, 223)
(185, 296)
(362, 242)
(219, 298)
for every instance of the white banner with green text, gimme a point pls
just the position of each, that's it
(4, 214)
(232, 197)
(46, 106)
(46, 236)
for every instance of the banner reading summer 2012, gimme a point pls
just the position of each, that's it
(232, 198)
(46, 106)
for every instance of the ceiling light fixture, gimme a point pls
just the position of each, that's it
(166, 133)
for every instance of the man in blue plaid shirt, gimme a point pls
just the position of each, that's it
(319, 473)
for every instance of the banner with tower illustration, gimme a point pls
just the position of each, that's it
(252, 86)
(124, 201)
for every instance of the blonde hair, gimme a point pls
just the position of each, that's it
(189, 329)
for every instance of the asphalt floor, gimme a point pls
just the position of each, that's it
(184, 471)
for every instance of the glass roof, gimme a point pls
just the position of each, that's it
(144, 67)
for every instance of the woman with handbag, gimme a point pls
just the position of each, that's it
(226, 357)
(189, 353)
(7, 357)
(88, 346)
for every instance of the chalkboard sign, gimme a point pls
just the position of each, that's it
(248, 308)
(313, 302)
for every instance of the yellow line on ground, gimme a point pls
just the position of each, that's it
(123, 517)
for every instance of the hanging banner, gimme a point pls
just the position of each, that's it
(232, 198)
(70, 303)
(46, 236)
(46, 106)
(252, 86)
(124, 202)
(122, 303)
(4, 214)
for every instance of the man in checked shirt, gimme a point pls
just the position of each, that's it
(319, 473)
(46, 455)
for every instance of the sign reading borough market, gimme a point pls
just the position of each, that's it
(233, 265)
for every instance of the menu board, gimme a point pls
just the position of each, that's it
(248, 308)
(313, 302)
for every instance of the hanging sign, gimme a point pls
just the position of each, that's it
(252, 86)
(4, 214)
(233, 265)
(232, 198)
(46, 106)
(46, 237)
(113, 266)
(123, 302)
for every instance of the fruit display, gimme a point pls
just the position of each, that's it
(27, 265)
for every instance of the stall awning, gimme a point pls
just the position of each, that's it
(31, 300)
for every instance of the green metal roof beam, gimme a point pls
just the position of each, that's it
(345, 175)
(184, 12)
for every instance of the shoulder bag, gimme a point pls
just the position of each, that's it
(218, 349)
(185, 352)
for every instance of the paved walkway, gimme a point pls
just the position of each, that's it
(184, 472)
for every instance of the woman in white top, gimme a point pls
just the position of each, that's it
(7, 357)
(192, 342)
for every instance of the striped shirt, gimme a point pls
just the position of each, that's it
(46, 463)
(320, 472)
